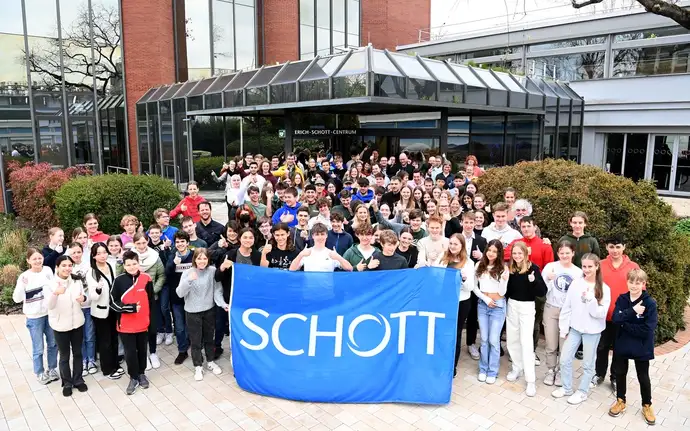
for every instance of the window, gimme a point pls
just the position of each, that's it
(198, 43)
(626, 154)
(490, 52)
(656, 60)
(649, 34)
(328, 26)
(575, 67)
(353, 23)
(568, 43)
(223, 36)
(246, 37)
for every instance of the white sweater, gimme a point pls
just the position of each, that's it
(64, 312)
(558, 287)
(468, 271)
(506, 235)
(430, 250)
(485, 283)
(587, 317)
(100, 302)
(30, 290)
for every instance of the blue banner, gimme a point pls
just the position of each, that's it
(369, 337)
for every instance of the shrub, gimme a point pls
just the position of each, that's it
(110, 197)
(202, 171)
(614, 205)
(683, 226)
(13, 245)
(34, 187)
(8, 278)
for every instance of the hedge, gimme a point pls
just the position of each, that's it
(614, 205)
(202, 171)
(110, 197)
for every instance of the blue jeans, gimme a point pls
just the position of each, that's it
(589, 351)
(38, 328)
(165, 319)
(180, 327)
(88, 346)
(491, 322)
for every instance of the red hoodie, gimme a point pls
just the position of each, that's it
(616, 279)
(191, 210)
(539, 253)
(98, 237)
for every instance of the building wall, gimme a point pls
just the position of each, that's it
(389, 23)
(281, 31)
(149, 56)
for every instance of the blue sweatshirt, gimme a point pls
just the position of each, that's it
(340, 241)
(286, 210)
(364, 198)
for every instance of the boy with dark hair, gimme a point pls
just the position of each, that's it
(162, 217)
(319, 258)
(165, 321)
(300, 232)
(441, 182)
(288, 212)
(179, 262)
(254, 204)
(310, 200)
(416, 217)
(132, 297)
(189, 227)
(345, 208)
(338, 239)
(584, 243)
(208, 229)
(387, 258)
(363, 194)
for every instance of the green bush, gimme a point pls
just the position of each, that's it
(614, 205)
(110, 197)
(683, 226)
(202, 171)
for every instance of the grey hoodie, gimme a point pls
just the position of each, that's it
(200, 294)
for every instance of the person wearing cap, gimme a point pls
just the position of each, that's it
(309, 200)
(320, 185)
(364, 193)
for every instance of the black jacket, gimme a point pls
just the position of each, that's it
(452, 226)
(163, 252)
(635, 339)
(217, 252)
(225, 277)
(173, 273)
(50, 256)
(521, 289)
(478, 242)
(211, 233)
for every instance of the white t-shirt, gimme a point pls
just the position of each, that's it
(319, 261)
(558, 287)
(366, 254)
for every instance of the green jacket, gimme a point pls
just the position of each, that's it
(354, 256)
(583, 245)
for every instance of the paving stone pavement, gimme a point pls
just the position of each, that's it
(176, 402)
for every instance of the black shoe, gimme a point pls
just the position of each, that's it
(82, 387)
(120, 359)
(217, 353)
(143, 381)
(579, 355)
(132, 387)
(67, 391)
(181, 357)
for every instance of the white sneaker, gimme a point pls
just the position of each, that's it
(490, 380)
(481, 377)
(148, 364)
(159, 337)
(155, 361)
(537, 361)
(557, 379)
(577, 398)
(474, 352)
(549, 377)
(531, 389)
(560, 393)
(214, 368)
(513, 375)
(168, 339)
(198, 374)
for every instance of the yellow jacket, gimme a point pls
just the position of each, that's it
(283, 171)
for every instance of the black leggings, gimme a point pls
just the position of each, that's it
(620, 365)
(472, 321)
(463, 312)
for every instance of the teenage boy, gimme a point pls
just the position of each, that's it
(387, 258)
(132, 297)
(584, 243)
(338, 239)
(499, 229)
(310, 200)
(165, 332)
(345, 208)
(179, 262)
(320, 185)
(432, 246)
(475, 245)
(300, 232)
(319, 258)
(418, 232)
(441, 182)
(156, 242)
(614, 270)
(189, 227)
(254, 204)
(393, 195)
(417, 180)
(364, 193)
(324, 215)
(429, 185)
(288, 212)
(636, 315)
(208, 229)
(162, 217)
(253, 179)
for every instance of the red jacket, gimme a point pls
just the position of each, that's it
(616, 279)
(126, 293)
(191, 210)
(98, 237)
(539, 253)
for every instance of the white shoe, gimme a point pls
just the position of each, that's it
(474, 352)
(148, 364)
(513, 375)
(577, 398)
(557, 379)
(549, 377)
(560, 393)
(481, 377)
(155, 362)
(159, 337)
(531, 389)
(490, 380)
(198, 374)
(537, 361)
(168, 339)
(214, 368)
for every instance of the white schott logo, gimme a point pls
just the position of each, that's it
(337, 335)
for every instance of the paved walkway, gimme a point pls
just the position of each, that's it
(176, 402)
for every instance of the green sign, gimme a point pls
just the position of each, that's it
(281, 133)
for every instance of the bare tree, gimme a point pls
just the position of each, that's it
(666, 8)
(44, 59)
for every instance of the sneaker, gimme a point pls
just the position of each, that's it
(159, 338)
(531, 390)
(579, 355)
(155, 362)
(84, 370)
(560, 393)
(474, 351)
(93, 369)
(217, 352)
(143, 381)
(132, 386)
(198, 374)
(596, 381)
(617, 408)
(114, 375)
(168, 339)
(82, 387)
(537, 361)
(577, 398)
(43, 378)
(513, 375)
(214, 368)
(557, 379)
(549, 377)
(148, 364)
(181, 357)
(53, 375)
(481, 377)
(490, 380)
(66, 391)
(120, 371)
(648, 414)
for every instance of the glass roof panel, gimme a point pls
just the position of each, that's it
(559, 91)
(202, 87)
(148, 95)
(241, 80)
(291, 72)
(489, 79)
(171, 91)
(356, 64)
(186, 88)
(383, 65)
(157, 95)
(508, 82)
(412, 67)
(220, 83)
(264, 76)
(467, 76)
(529, 85)
(545, 87)
(441, 71)
(322, 68)
(573, 95)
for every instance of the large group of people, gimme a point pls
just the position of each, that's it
(115, 298)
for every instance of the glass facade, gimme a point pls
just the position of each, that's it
(61, 99)
(328, 26)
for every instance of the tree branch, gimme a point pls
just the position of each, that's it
(586, 3)
(658, 7)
